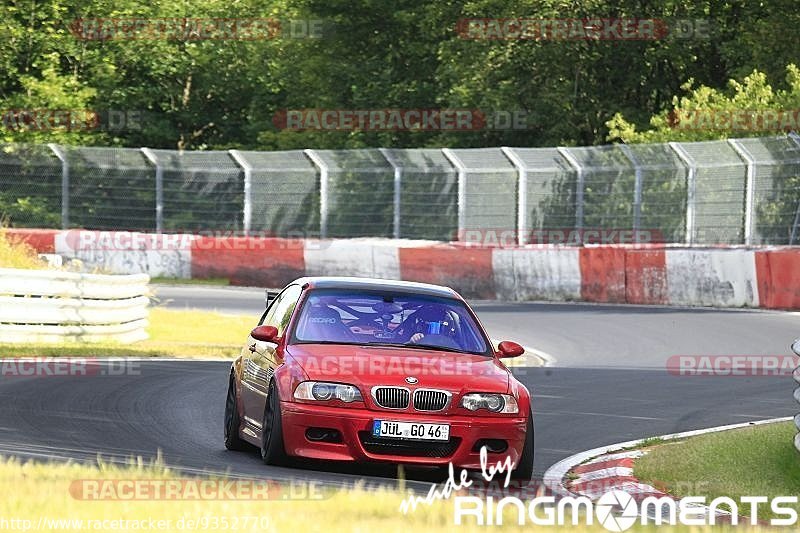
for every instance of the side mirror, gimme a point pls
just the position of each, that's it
(265, 333)
(796, 347)
(510, 349)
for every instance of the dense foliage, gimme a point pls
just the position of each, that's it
(377, 54)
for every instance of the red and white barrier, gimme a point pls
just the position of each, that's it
(716, 277)
(766, 277)
(538, 273)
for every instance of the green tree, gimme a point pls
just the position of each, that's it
(705, 113)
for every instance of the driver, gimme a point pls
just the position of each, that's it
(432, 320)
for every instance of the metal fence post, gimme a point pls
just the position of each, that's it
(793, 236)
(398, 183)
(323, 191)
(749, 188)
(64, 183)
(579, 186)
(461, 171)
(691, 187)
(151, 156)
(247, 208)
(637, 189)
(795, 229)
(796, 349)
(522, 194)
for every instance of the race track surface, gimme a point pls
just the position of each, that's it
(609, 384)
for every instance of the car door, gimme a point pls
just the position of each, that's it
(260, 358)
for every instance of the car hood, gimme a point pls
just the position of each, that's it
(371, 366)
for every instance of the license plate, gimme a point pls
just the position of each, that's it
(390, 429)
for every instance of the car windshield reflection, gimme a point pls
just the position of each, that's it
(389, 319)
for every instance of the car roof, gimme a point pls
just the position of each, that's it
(412, 287)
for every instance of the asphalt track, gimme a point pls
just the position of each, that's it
(609, 384)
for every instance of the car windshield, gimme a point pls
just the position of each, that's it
(388, 319)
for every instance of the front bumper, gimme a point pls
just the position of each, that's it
(355, 426)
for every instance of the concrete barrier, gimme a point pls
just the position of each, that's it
(646, 276)
(713, 277)
(603, 276)
(125, 252)
(537, 273)
(56, 306)
(767, 277)
(371, 258)
(42, 240)
(264, 262)
(778, 272)
(467, 270)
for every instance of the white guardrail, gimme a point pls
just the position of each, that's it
(796, 349)
(55, 306)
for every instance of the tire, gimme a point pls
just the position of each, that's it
(272, 450)
(232, 421)
(524, 470)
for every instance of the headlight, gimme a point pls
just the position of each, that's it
(323, 391)
(496, 403)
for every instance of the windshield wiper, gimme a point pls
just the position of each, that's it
(330, 342)
(362, 344)
(442, 348)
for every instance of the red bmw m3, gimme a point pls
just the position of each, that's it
(352, 369)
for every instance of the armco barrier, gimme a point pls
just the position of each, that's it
(56, 306)
(733, 276)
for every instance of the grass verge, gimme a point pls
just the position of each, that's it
(173, 333)
(754, 461)
(192, 281)
(44, 497)
(17, 254)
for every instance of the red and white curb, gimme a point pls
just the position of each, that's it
(595, 472)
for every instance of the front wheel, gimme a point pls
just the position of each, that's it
(232, 421)
(524, 469)
(272, 450)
